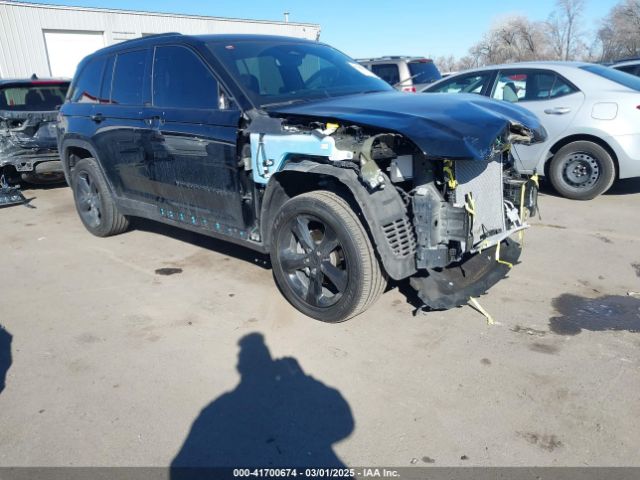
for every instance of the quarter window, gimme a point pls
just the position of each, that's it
(182, 80)
(128, 78)
(87, 87)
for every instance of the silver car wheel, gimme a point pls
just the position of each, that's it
(580, 170)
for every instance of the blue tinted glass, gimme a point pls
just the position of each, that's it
(424, 71)
(128, 78)
(614, 75)
(387, 72)
(87, 86)
(107, 78)
(181, 80)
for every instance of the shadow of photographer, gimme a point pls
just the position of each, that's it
(277, 416)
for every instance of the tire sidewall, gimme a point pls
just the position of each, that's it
(88, 166)
(605, 178)
(309, 206)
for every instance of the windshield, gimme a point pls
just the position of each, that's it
(424, 72)
(622, 78)
(34, 97)
(273, 74)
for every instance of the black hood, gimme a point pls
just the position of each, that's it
(457, 126)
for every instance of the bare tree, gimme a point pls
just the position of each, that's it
(512, 39)
(446, 63)
(564, 29)
(561, 37)
(619, 34)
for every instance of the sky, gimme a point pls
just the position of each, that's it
(372, 28)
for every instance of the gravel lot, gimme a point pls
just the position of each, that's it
(112, 363)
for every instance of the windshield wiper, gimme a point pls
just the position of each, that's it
(283, 103)
(406, 80)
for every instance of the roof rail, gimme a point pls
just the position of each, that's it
(137, 39)
(154, 35)
(386, 57)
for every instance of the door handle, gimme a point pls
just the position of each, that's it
(97, 117)
(557, 110)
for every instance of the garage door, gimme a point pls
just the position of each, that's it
(65, 49)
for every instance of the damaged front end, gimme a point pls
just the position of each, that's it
(446, 160)
(465, 223)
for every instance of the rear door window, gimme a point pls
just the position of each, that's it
(87, 86)
(387, 72)
(182, 80)
(530, 85)
(128, 78)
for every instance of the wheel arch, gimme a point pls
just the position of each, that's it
(73, 150)
(578, 138)
(375, 209)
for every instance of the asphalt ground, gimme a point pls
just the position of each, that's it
(160, 347)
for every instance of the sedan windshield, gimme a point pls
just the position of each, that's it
(282, 73)
(33, 97)
(621, 78)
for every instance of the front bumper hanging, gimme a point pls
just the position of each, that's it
(452, 286)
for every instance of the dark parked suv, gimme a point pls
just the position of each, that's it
(289, 147)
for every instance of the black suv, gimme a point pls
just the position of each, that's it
(291, 148)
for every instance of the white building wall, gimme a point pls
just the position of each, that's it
(22, 26)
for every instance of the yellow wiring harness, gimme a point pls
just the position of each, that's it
(470, 207)
(451, 177)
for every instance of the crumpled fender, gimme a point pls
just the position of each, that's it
(454, 126)
(380, 207)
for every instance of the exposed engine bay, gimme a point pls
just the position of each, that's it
(458, 214)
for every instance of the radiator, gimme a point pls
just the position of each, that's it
(483, 179)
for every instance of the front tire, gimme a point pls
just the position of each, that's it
(94, 202)
(322, 258)
(582, 170)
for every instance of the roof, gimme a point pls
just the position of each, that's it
(219, 38)
(142, 12)
(536, 64)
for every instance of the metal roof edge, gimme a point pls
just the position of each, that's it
(155, 14)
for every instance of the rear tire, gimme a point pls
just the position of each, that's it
(582, 170)
(322, 258)
(94, 202)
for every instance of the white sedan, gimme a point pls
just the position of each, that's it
(591, 114)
